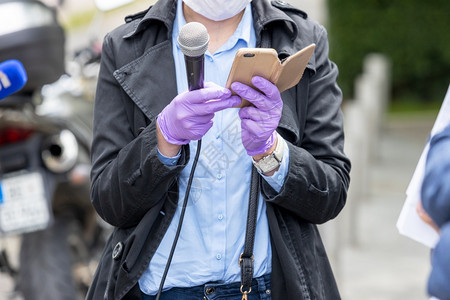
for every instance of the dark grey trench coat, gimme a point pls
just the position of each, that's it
(136, 193)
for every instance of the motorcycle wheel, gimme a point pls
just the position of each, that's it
(45, 271)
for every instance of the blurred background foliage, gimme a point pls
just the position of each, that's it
(414, 34)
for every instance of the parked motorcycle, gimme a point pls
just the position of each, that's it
(45, 138)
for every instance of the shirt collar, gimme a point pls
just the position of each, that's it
(244, 29)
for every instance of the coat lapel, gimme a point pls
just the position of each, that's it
(150, 80)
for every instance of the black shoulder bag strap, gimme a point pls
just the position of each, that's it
(246, 259)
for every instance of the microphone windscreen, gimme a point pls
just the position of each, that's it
(193, 39)
(12, 77)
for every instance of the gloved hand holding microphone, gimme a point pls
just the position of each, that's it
(189, 116)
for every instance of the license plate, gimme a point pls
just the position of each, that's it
(23, 203)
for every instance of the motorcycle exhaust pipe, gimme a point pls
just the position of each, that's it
(60, 152)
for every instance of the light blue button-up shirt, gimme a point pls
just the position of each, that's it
(213, 232)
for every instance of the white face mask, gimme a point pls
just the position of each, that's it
(217, 10)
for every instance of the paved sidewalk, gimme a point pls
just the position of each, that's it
(382, 264)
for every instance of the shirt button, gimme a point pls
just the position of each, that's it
(219, 176)
(220, 217)
(280, 177)
(219, 256)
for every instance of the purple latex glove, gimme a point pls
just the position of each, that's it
(259, 122)
(189, 115)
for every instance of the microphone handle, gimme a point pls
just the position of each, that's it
(194, 70)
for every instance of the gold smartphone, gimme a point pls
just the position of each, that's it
(264, 62)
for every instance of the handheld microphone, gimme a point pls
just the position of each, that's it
(12, 77)
(193, 41)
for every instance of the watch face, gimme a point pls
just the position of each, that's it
(267, 164)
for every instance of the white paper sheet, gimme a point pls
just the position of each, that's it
(409, 223)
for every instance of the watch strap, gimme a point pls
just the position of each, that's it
(273, 158)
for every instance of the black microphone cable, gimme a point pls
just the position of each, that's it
(183, 211)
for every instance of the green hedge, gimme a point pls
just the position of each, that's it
(414, 34)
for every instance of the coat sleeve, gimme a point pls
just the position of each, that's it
(127, 177)
(435, 192)
(315, 188)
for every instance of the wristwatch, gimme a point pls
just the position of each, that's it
(273, 160)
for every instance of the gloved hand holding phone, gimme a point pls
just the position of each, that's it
(259, 122)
